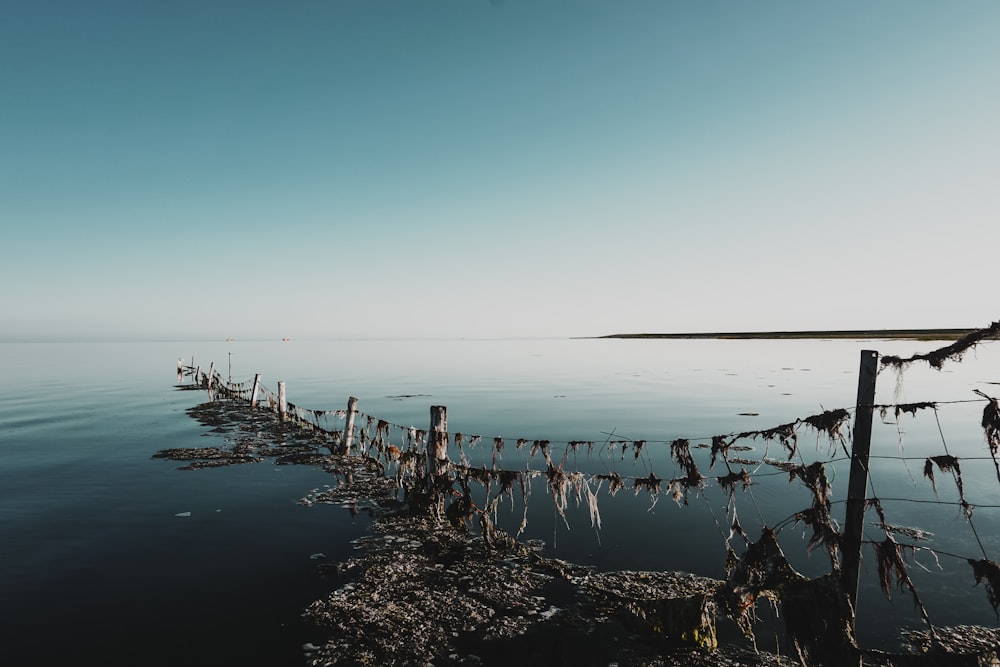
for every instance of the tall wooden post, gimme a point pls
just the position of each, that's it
(352, 410)
(437, 445)
(180, 370)
(211, 374)
(197, 375)
(857, 486)
(256, 388)
(282, 401)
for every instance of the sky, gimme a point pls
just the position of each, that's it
(509, 168)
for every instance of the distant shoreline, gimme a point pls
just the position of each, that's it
(857, 334)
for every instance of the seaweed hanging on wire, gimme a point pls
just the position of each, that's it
(562, 484)
(720, 445)
(651, 484)
(830, 422)
(954, 352)
(680, 451)
(761, 572)
(540, 446)
(891, 566)
(497, 451)
(615, 482)
(905, 408)
(784, 433)
(381, 438)
(728, 484)
(988, 571)
(637, 448)
(505, 480)
(945, 463)
(991, 427)
(818, 516)
(459, 441)
(991, 422)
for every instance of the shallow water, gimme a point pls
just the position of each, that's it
(98, 564)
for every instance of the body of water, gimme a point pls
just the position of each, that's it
(111, 555)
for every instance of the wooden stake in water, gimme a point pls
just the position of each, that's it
(211, 374)
(180, 369)
(256, 388)
(858, 484)
(282, 402)
(437, 449)
(352, 409)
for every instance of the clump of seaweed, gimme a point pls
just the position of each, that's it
(785, 433)
(889, 560)
(680, 451)
(497, 451)
(786, 466)
(760, 572)
(830, 422)
(945, 463)
(817, 516)
(991, 427)
(991, 422)
(562, 484)
(891, 567)
(988, 571)
(651, 484)
(720, 445)
(907, 408)
(728, 482)
(543, 446)
(615, 482)
(637, 447)
(813, 476)
(916, 534)
(955, 351)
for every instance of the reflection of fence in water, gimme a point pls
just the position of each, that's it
(404, 452)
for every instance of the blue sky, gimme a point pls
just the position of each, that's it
(340, 168)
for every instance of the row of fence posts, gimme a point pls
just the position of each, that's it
(437, 457)
(437, 447)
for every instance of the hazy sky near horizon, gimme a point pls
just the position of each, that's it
(329, 168)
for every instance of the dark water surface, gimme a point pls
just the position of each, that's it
(98, 566)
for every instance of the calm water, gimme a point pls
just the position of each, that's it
(98, 564)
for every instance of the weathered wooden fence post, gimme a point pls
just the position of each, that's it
(256, 388)
(197, 375)
(857, 486)
(180, 370)
(211, 374)
(437, 445)
(282, 401)
(352, 410)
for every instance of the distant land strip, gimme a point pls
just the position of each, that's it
(862, 334)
